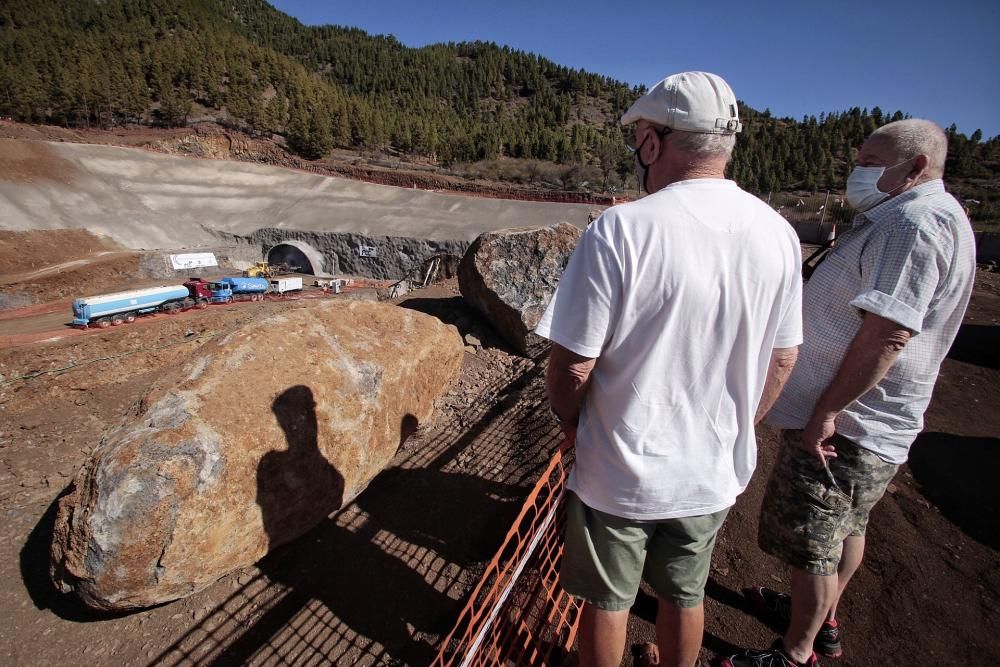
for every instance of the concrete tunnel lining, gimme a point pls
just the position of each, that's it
(298, 253)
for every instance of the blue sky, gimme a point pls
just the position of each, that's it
(930, 59)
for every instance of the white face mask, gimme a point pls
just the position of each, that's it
(862, 187)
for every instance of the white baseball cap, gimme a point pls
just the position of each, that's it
(689, 101)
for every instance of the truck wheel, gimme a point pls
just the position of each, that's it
(229, 299)
(129, 317)
(104, 323)
(116, 320)
(202, 304)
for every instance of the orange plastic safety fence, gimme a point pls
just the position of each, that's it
(518, 614)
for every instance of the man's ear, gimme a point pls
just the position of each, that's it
(652, 148)
(920, 164)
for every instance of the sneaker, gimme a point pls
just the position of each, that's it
(778, 606)
(828, 640)
(773, 657)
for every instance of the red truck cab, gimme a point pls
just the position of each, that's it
(200, 290)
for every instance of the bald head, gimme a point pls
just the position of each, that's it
(906, 139)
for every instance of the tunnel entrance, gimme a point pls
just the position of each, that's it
(298, 254)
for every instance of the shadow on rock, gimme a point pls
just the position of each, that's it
(977, 344)
(297, 486)
(958, 474)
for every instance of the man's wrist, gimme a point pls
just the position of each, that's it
(825, 415)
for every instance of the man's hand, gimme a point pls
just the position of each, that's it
(816, 437)
(872, 352)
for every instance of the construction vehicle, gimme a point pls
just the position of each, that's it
(268, 270)
(260, 270)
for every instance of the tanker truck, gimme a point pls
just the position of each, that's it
(240, 289)
(116, 308)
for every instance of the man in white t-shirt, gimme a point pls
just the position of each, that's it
(674, 328)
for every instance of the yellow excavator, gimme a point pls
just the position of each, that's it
(261, 270)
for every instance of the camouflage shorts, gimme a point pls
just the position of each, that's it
(805, 518)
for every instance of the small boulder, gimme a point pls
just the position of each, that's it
(259, 437)
(509, 275)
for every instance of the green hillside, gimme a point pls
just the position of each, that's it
(244, 64)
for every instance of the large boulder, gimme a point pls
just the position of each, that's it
(255, 440)
(509, 275)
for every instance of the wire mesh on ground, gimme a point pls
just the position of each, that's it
(518, 614)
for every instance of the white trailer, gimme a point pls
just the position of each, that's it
(282, 285)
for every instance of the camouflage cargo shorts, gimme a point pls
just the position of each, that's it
(805, 518)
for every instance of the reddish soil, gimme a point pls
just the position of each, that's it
(48, 265)
(382, 581)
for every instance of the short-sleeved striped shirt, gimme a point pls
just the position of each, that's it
(912, 260)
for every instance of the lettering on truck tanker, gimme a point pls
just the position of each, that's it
(252, 288)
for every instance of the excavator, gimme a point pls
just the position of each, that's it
(267, 270)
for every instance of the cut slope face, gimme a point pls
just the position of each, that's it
(148, 200)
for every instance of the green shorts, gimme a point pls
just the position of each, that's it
(606, 556)
(805, 518)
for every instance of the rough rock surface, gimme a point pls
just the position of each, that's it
(255, 440)
(510, 275)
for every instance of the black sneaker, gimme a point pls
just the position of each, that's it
(778, 606)
(773, 657)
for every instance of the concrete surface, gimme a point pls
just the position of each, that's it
(149, 200)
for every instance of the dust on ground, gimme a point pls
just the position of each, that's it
(382, 581)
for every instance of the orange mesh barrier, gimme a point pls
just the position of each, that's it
(518, 614)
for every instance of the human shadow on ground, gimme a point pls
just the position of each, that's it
(977, 344)
(456, 515)
(958, 474)
(375, 595)
(738, 600)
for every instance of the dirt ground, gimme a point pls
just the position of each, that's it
(383, 581)
(379, 583)
(43, 266)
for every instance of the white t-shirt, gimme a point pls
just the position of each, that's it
(681, 296)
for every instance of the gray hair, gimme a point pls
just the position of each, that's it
(701, 144)
(913, 137)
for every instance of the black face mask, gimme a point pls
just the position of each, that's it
(641, 166)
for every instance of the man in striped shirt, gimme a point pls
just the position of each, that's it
(879, 316)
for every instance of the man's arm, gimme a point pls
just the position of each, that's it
(778, 369)
(566, 381)
(872, 352)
